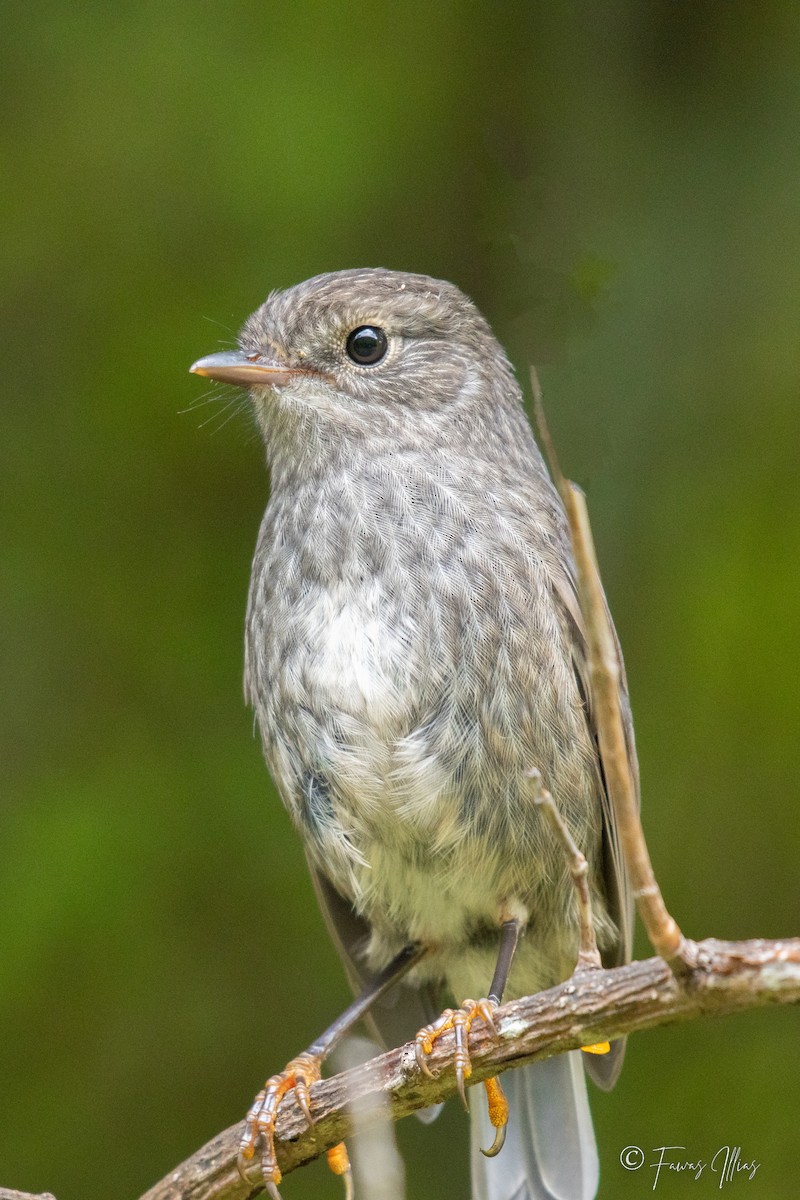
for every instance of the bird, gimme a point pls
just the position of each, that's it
(414, 648)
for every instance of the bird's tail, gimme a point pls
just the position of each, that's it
(550, 1151)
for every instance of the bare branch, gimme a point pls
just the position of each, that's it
(593, 1006)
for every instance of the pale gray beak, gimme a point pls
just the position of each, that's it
(246, 370)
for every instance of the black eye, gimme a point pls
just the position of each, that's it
(367, 345)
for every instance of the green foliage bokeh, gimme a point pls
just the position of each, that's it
(616, 184)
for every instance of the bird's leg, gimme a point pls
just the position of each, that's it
(509, 940)
(305, 1070)
(460, 1021)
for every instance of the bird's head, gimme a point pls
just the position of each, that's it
(365, 352)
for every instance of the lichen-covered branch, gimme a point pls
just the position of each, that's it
(591, 1007)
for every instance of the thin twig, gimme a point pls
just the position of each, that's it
(605, 672)
(588, 954)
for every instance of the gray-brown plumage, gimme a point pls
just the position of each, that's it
(413, 646)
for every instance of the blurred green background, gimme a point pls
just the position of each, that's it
(616, 184)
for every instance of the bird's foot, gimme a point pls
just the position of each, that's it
(498, 1115)
(597, 1048)
(460, 1021)
(298, 1075)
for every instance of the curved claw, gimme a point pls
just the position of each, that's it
(462, 1090)
(497, 1144)
(241, 1169)
(485, 1011)
(302, 1099)
(419, 1055)
(463, 1067)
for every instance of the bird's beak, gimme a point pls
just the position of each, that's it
(246, 370)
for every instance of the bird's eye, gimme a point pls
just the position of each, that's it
(367, 345)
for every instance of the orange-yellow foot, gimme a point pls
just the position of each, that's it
(597, 1048)
(460, 1021)
(339, 1163)
(498, 1115)
(298, 1075)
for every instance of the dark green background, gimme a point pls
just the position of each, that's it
(617, 186)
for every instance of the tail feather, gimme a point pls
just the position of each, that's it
(550, 1151)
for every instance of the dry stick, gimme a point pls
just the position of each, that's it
(588, 955)
(604, 671)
